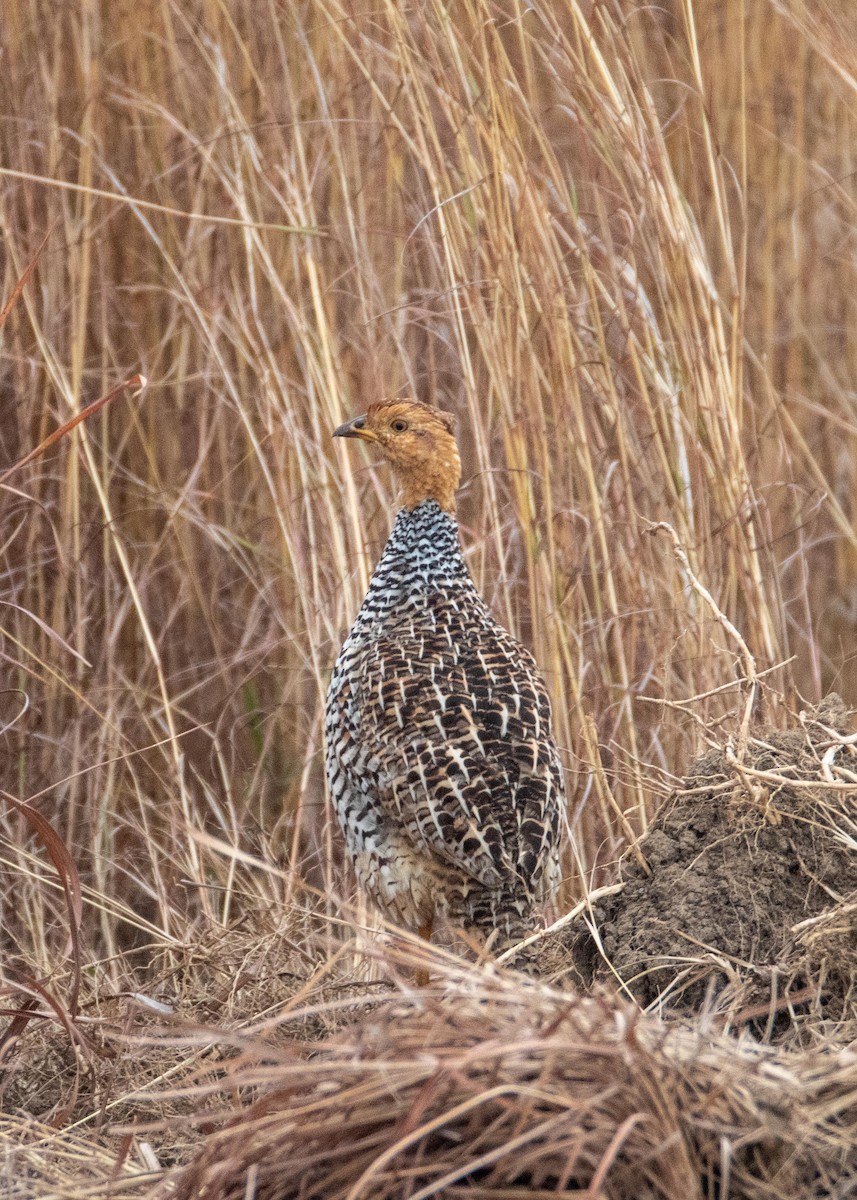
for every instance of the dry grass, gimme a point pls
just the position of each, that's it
(618, 241)
(508, 1092)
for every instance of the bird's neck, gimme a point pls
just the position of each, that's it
(437, 477)
(422, 554)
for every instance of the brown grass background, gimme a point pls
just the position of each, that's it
(619, 241)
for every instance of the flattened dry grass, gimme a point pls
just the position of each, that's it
(617, 241)
(485, 1085)
(498, 1089)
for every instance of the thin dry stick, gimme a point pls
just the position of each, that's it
(566, 919)
(209, 218)
(751, 675)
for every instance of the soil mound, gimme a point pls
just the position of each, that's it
(750, 906)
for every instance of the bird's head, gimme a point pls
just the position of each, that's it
(417, 441)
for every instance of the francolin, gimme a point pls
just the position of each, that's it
(441, 763)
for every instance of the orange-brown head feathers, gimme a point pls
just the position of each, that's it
(417, 441)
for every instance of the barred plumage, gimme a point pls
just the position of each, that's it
(440, 760)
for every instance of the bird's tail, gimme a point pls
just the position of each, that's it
(505, 921)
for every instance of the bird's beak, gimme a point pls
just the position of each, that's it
(355, 428)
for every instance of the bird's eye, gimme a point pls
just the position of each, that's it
(399, 426)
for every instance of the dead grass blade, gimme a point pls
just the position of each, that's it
(135, 384)
(22, 281)
(69, 878)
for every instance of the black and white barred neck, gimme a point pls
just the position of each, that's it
(422, 554)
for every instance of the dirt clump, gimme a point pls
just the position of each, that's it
(750, 903)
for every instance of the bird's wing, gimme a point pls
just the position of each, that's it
(463, 759)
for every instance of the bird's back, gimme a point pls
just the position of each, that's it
(440, 758)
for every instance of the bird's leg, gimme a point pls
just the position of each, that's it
(425, 930)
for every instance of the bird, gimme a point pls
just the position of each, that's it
(440, 759)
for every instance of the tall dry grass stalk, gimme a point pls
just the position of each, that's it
(618, 242)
